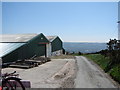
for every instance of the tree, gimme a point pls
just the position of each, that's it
(79, 53)
(114, 53)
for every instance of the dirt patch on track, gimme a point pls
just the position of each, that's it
(63, 57)
(65, 77)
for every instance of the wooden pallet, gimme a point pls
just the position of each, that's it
(20, 66)
(35, 61)
(30, 63)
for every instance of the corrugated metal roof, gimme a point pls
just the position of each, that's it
(51, 38)
(21, 37)
(16, 37)
(6, 48)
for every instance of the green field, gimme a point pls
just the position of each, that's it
(102, 62)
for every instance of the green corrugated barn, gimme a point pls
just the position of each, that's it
(56, 45)
(25, 46)
(22, 46)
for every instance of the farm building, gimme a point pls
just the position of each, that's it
(56, 45)
(24, 46)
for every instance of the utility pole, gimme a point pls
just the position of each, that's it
(119, 20)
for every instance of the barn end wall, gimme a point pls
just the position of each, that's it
(56, 47)
(56, 44)
(35, 46)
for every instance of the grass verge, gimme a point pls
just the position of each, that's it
(102, 61)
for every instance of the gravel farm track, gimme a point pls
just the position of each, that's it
(72, 72)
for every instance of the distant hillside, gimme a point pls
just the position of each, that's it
(84, 47)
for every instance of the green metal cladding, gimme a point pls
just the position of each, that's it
(57, 44)
(35, 46)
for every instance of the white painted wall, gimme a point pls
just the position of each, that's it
(48, 50)
(57, 53)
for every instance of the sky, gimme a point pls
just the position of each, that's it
(71, 21)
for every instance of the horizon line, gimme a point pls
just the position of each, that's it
(83, 42)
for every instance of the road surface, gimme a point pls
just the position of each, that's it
(49, 75)
(91, 76)
(77, 72)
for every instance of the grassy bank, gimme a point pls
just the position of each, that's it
(102, 62)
